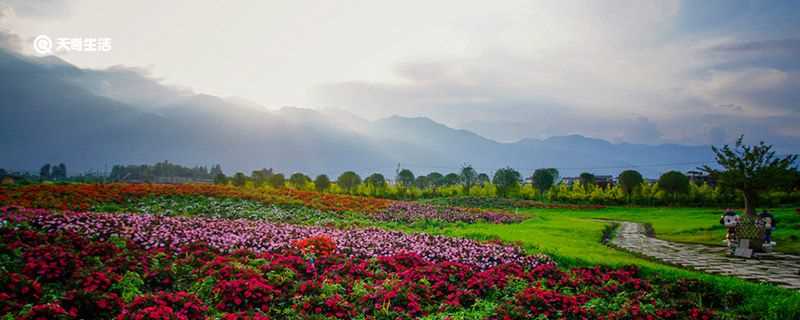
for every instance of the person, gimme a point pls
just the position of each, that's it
(730, 220)
(767, 221)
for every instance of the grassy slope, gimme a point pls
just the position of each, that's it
(573, 238)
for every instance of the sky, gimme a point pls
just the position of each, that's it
(693, 72)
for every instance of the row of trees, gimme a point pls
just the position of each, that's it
(163, 169)
(748, 173)
(53, 172)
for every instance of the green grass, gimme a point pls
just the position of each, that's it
(693, 225)
(573, 238)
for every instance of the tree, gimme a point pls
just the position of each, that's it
(405, 178)
(277, 180)
(452, 179)
(506, 180)
(752, 170)
(629, 180)
(260, 177)
(468, 177)
(220, 178)
(239, 179)
(435, 180)
(422, 182)
(348, 181)
(44, 172)
(376, 180)
(674, 183)
(322, 183)
(554, 172)
(483, 179)
(543, 179)
(587, 179)
(60, 171)
(216, 170)
(299, 180)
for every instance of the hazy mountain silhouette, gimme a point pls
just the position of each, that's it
(51, 112)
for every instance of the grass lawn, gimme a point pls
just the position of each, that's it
(573, 239)
(694, 225)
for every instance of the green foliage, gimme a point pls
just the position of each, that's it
(299, 180)
(376, 180)
(506, 181)
(322, 183)
(587, 179)
(129, 286)
(629, 180)
(239, 179)
(468, 177)
(348, 181)
(674, 183)
(544, 179)
(405, 178)
(752, 169)
(277, 180)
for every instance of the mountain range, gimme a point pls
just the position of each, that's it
(53, 112)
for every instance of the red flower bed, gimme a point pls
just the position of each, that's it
(316, 283)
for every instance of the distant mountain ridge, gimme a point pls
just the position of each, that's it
(51, 112)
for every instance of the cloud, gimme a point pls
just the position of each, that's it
(37, 8)
(10, 41)
(787, 46)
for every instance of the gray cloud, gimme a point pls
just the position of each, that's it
(10, 41)
(788, 46)
(37, 8)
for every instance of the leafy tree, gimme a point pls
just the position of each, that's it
(3, 172)
(554, 172)
(543, 179)
(61, 170)
(674, 183)
(422, 182)
(587, 179)
(483, 179)
(299, 180)
(376, 180)
(452, 179)
(348, 181)
(629, 180)
(260, 177)
(277, 180)
(220, 178)
(239, 179)
(752, 170)
(322, 183)
(405, 178)
(468, 177)
(436, 180)
(506, 180)
(216, 170)
(44, 172)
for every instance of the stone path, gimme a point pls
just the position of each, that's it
(780, 269)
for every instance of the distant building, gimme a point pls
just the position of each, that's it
(604, 181)
(700, 178)
(570, 180)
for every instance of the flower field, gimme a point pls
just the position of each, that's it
(150, 231)
(108, 266)
(88, 196)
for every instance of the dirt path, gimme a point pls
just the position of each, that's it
(780, 269)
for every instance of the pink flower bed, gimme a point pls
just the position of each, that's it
(411, 211)
(260, 236)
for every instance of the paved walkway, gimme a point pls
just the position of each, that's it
(780, 269)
